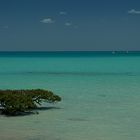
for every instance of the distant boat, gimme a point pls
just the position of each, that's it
(127, 51)
(113, 52)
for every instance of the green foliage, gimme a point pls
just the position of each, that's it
(14, 102)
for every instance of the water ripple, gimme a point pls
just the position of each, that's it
(72, 73)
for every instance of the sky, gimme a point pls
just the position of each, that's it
(69, 25)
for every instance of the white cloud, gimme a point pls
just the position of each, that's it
(63, 13)
(68, 24)
(133, 11)
(47, 20)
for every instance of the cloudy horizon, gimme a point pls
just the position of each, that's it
(98, 25)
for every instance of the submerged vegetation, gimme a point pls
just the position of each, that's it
(15, 102)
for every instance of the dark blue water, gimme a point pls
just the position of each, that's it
(70, 54)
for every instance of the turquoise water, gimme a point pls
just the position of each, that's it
(100, 92)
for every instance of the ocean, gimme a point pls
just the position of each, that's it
(100, 95)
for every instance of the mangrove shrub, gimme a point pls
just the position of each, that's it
(14, 102)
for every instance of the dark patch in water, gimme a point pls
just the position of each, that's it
(102, 95)
(74, 73)
(77, 119)
(39, 137)
(35, 111)
(47, 108)
(19, 114)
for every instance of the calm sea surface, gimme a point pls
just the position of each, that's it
(100, 95)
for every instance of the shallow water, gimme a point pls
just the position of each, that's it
(101, 96)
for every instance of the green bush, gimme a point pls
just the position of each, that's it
(14, 102)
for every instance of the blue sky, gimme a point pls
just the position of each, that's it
(63, 25)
